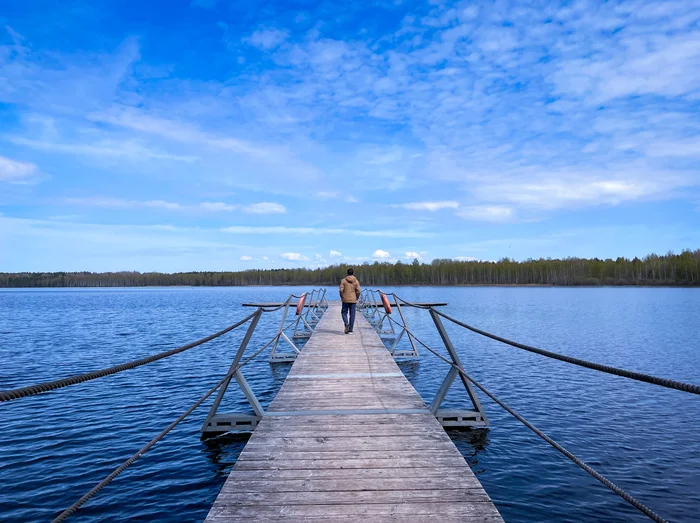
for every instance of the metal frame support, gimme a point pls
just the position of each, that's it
(283, 357)
(475, 418)
(401, 353)
(312, 315)
(215, 423)
(304, 325)
(379, 316)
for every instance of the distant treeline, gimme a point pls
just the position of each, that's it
(670, 269)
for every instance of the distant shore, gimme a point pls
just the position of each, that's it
(669, 270)
(370, 285)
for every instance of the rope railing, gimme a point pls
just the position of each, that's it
(578, 461)
(39, 388)
(43, 387)
(638, 376)
(32, 390)
(369, 302)
(253, 318)
(107, 480)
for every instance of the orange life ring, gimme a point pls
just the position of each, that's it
(300, 304)
(385, 302)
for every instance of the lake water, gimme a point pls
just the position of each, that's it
(54, 447)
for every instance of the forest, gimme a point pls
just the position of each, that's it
(669, 269)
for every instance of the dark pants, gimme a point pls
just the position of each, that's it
(344, 313)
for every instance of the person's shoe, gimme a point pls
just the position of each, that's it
(347, 329)
(349, 332)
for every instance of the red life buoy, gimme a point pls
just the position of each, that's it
(385, 302)
(300, 304)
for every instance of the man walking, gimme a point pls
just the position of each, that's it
(349, 294)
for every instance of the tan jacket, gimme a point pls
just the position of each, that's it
(349, 290)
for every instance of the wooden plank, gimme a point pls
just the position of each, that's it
(352, 497)
(349, 463)
(364, 474)
(467, 509)
(335, 455)
(350, 484)
(348, 438)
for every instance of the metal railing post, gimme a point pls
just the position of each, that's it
(404, 354)
(236, 360)
(451, 375)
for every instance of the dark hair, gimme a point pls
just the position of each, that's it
(350, 271)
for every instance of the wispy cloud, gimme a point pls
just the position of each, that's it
(429, 206)
(293, 256)
(487, 213)
(118, 203)
(264, 208)
(14, 171)
(319, 231)
(267, 38)
(130, 150)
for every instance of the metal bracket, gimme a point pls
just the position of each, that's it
(304, 326)
(216, 423)
(376, 314)
(402, 354)
(475, 418)
(284, 357)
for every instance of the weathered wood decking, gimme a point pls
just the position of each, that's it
(348, 437)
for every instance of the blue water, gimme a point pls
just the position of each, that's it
(54, 447)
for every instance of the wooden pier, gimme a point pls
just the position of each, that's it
(348, 437)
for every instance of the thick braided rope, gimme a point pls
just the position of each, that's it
(9, 395)
(639, 376)
(106, 481)
(655, 380)
(582, 464)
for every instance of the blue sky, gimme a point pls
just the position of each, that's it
(218, 135)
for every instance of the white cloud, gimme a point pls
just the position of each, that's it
(264, 208)
(14, 171)
(412, 255)
(318, 231)
(565, 191)
(293, 256)
(379, 254)
(335, 254)
(119, 203)
(465, 258)
(334, 195)
(217, 206)
(327, 195)
(267, 39)
(124, 149)
(429, 206)
(489, 213)
(246, 258)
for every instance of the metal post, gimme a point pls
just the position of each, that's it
(285, 357)
(404, 354)
(414, 352)
(308, 307)
(244, 385)
(455, 418)
(281, 327)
